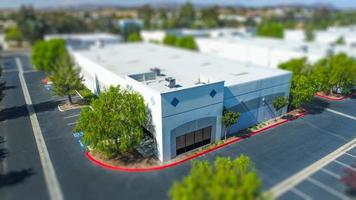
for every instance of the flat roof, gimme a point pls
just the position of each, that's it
(84, 36)
(187, 67)
(313, 48)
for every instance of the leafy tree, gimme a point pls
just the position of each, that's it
(186, 15)
(146, 13)
(2, 86)
(66, 80)
(170, 40)
(226, 179)
(309, 35)
(13, 34)
(228, 119)
(340, 41)
(210, 16)
(114, 125)
(270, 29)
(302, 90)
(134, 37)
(47, 55)
(187, 42)
(335, 73)
(296, 65)
(31, 26)
(279, 103)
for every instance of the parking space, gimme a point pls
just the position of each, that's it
(326, 182)
(346, 106)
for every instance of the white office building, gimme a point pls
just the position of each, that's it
(86, 40)
(185, 91)
(266, 51)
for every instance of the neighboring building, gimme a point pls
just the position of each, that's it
(266, 51)
(129, 26)
(86, 40)
(327, 36)
(158, 35)
(186, 91)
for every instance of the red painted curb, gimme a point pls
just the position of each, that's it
(160, 167)
(331, 98)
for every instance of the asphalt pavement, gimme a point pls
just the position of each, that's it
(278, 153)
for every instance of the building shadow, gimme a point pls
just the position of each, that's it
(15, 177)
(21, 111)
(316, 106)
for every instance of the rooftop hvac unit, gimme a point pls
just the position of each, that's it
(171, 82)
(156, 70)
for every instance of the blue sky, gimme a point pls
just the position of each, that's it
(42, 3)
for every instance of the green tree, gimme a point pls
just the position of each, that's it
(270, 29)
(146, 13)
(186, 15)
(279, 103)
(13, 34)
(134, 37)
(340, 41)
(187, 42)
(48, 55)
(296, 65)
(225, 180)
(228, 119)
(302, 90)
(335, 73)
(210, 17)
(114, 125)
(66, 80)
(309, 35)
(170, 40)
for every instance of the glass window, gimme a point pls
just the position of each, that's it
(207, 133)
(189, 139)
(198, 136)
(180, 142)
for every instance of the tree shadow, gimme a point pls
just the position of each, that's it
(15, 177)
(9, 87)
(2, 140)
(316, 106)
(3, 153)
(21, 111)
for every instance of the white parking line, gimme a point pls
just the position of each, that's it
(349, 154)
(10, 70)
(73, 123)
(52, 183)
(71, 116)
(290, 182)
(301, 194)
(327, 188)
(330, 173)
(345, 165)
(340, 113)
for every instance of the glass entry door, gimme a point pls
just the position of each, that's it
(193, 140)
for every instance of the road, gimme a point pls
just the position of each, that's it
(278, 153)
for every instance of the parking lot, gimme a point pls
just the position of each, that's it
(278, 153)
(326, 182)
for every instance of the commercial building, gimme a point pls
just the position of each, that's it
(86, 40)
(266, 51)
(328, 36)
(185, 91)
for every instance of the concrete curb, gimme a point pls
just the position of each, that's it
(172, 164)
(331, 98)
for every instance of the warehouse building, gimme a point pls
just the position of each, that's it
(266, 51)
(185, 91)
(86, 40)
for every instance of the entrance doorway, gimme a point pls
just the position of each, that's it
(193, 140)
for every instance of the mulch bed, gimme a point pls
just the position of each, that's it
(67, 106)
(131, 160)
